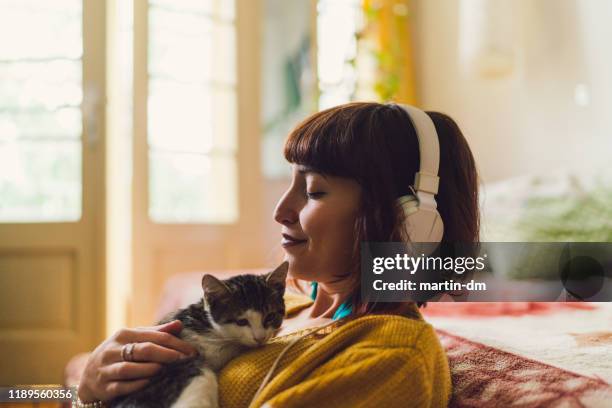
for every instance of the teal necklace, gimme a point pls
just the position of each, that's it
(344, 310)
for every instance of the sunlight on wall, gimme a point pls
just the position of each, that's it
(552, 113)
(119, 162)
(338, 22)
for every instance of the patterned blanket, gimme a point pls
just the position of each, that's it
(527, 355)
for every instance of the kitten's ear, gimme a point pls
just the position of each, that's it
(278, 276)
(213, 286)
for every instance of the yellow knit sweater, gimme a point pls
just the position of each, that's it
(373, 361)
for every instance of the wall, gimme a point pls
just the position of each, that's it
(286, 35)
(551, 112)
(528, 122)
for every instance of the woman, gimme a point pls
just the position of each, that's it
(350, 164)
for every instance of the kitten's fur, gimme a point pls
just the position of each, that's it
(217, 327)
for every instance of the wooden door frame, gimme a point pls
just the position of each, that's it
(147, 236)
(94, 192)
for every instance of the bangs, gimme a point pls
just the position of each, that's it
(326, 141)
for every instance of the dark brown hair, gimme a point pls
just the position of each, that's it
(376, 145)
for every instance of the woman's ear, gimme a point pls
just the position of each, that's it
(278, 277)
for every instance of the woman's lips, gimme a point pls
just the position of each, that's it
(289, 241)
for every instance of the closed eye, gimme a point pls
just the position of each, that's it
(316, 194)
(273, 319)
(242, 322)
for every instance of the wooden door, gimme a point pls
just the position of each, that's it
(51, 195)
(196, 140)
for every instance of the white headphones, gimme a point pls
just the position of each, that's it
(423, 221)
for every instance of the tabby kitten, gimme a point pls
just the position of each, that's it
(233, 315)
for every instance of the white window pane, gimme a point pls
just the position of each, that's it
(192, 188)
(40, 29)
(40, 115)
(180, 45)
(179, 117)
(45, 85)
(173, 56)
(222, 9)
(192, 131)
(40, 181)
(64, 123)
(194, 48)
(185, 6)
(225, 133)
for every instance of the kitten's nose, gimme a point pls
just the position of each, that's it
(260, 338)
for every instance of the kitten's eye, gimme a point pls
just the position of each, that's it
(242, 322)
(273, 319)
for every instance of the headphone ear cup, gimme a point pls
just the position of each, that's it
(409, 204)
(425, 226)
(422, 225)
(437, 229)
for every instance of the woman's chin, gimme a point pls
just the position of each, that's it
(296, 270)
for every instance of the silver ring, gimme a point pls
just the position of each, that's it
(127, 352)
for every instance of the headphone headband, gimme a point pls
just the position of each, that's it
(422, 219)
(426, 179)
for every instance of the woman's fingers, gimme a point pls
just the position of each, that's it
(129, 371)
(163, 339)
(170, 341)
(149, 351)
(158, 337)
(144, 352)
(107, 375)
(117, 388)
(174, 326)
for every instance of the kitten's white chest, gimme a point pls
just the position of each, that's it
(202, 390)
(215, 352)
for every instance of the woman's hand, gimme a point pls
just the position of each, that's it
(107, 375)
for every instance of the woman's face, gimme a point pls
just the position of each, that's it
(317, 214)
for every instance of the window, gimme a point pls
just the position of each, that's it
(40, 110)
(338, 22)
(192, 134)
(293, 87)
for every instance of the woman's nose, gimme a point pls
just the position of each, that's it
(285, 213)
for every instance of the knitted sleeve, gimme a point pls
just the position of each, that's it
(384, 377)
